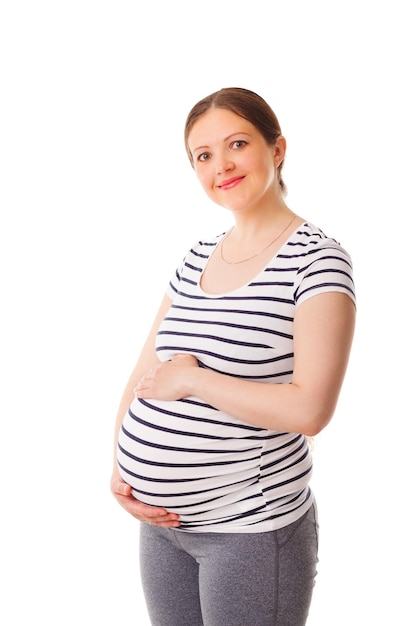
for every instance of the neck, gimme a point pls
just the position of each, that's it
(255, 225)
(243, 247)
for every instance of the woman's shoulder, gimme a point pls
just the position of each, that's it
(310, 237)
(199, 252)
(310, 232)
(203, 247)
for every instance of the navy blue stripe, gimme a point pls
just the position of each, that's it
(234, 311)
(214, 338)
(185, 433)
(187, 465)
(223, 357)
(317, 286)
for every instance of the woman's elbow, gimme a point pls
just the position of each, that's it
(314, 421)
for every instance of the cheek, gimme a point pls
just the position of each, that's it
(267, 166)
(204, 178)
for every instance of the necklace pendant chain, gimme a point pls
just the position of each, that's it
(257, 253)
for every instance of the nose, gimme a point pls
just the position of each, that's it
(224, 164)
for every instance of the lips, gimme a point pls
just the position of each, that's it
(230, 183)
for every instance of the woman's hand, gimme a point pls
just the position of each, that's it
(157, 516)
(168, 380)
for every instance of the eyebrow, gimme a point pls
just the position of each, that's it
(225, 139)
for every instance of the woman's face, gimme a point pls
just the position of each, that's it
(233, 162)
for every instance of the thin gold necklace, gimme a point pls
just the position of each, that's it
(257, 253)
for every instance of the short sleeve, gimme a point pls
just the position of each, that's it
(188, 262)
(174, 283)
(326, 268)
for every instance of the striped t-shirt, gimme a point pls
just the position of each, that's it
(218, 473)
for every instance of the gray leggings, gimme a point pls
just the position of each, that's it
(230, 579)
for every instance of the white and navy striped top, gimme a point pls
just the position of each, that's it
(218, 473)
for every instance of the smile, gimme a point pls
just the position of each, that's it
(230, 183)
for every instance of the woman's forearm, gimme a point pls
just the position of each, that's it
(283, 407)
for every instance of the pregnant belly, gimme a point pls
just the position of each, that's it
(188, 457)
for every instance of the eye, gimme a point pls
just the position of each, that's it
(204, 156)
(239, 143)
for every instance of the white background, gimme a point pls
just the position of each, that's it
(99, 204)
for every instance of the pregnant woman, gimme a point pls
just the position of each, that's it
(244, 362)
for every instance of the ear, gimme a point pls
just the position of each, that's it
(279, 150)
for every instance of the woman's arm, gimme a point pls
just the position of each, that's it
(121, 490)
(323, 333)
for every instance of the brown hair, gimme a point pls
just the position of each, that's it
(246, 104)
